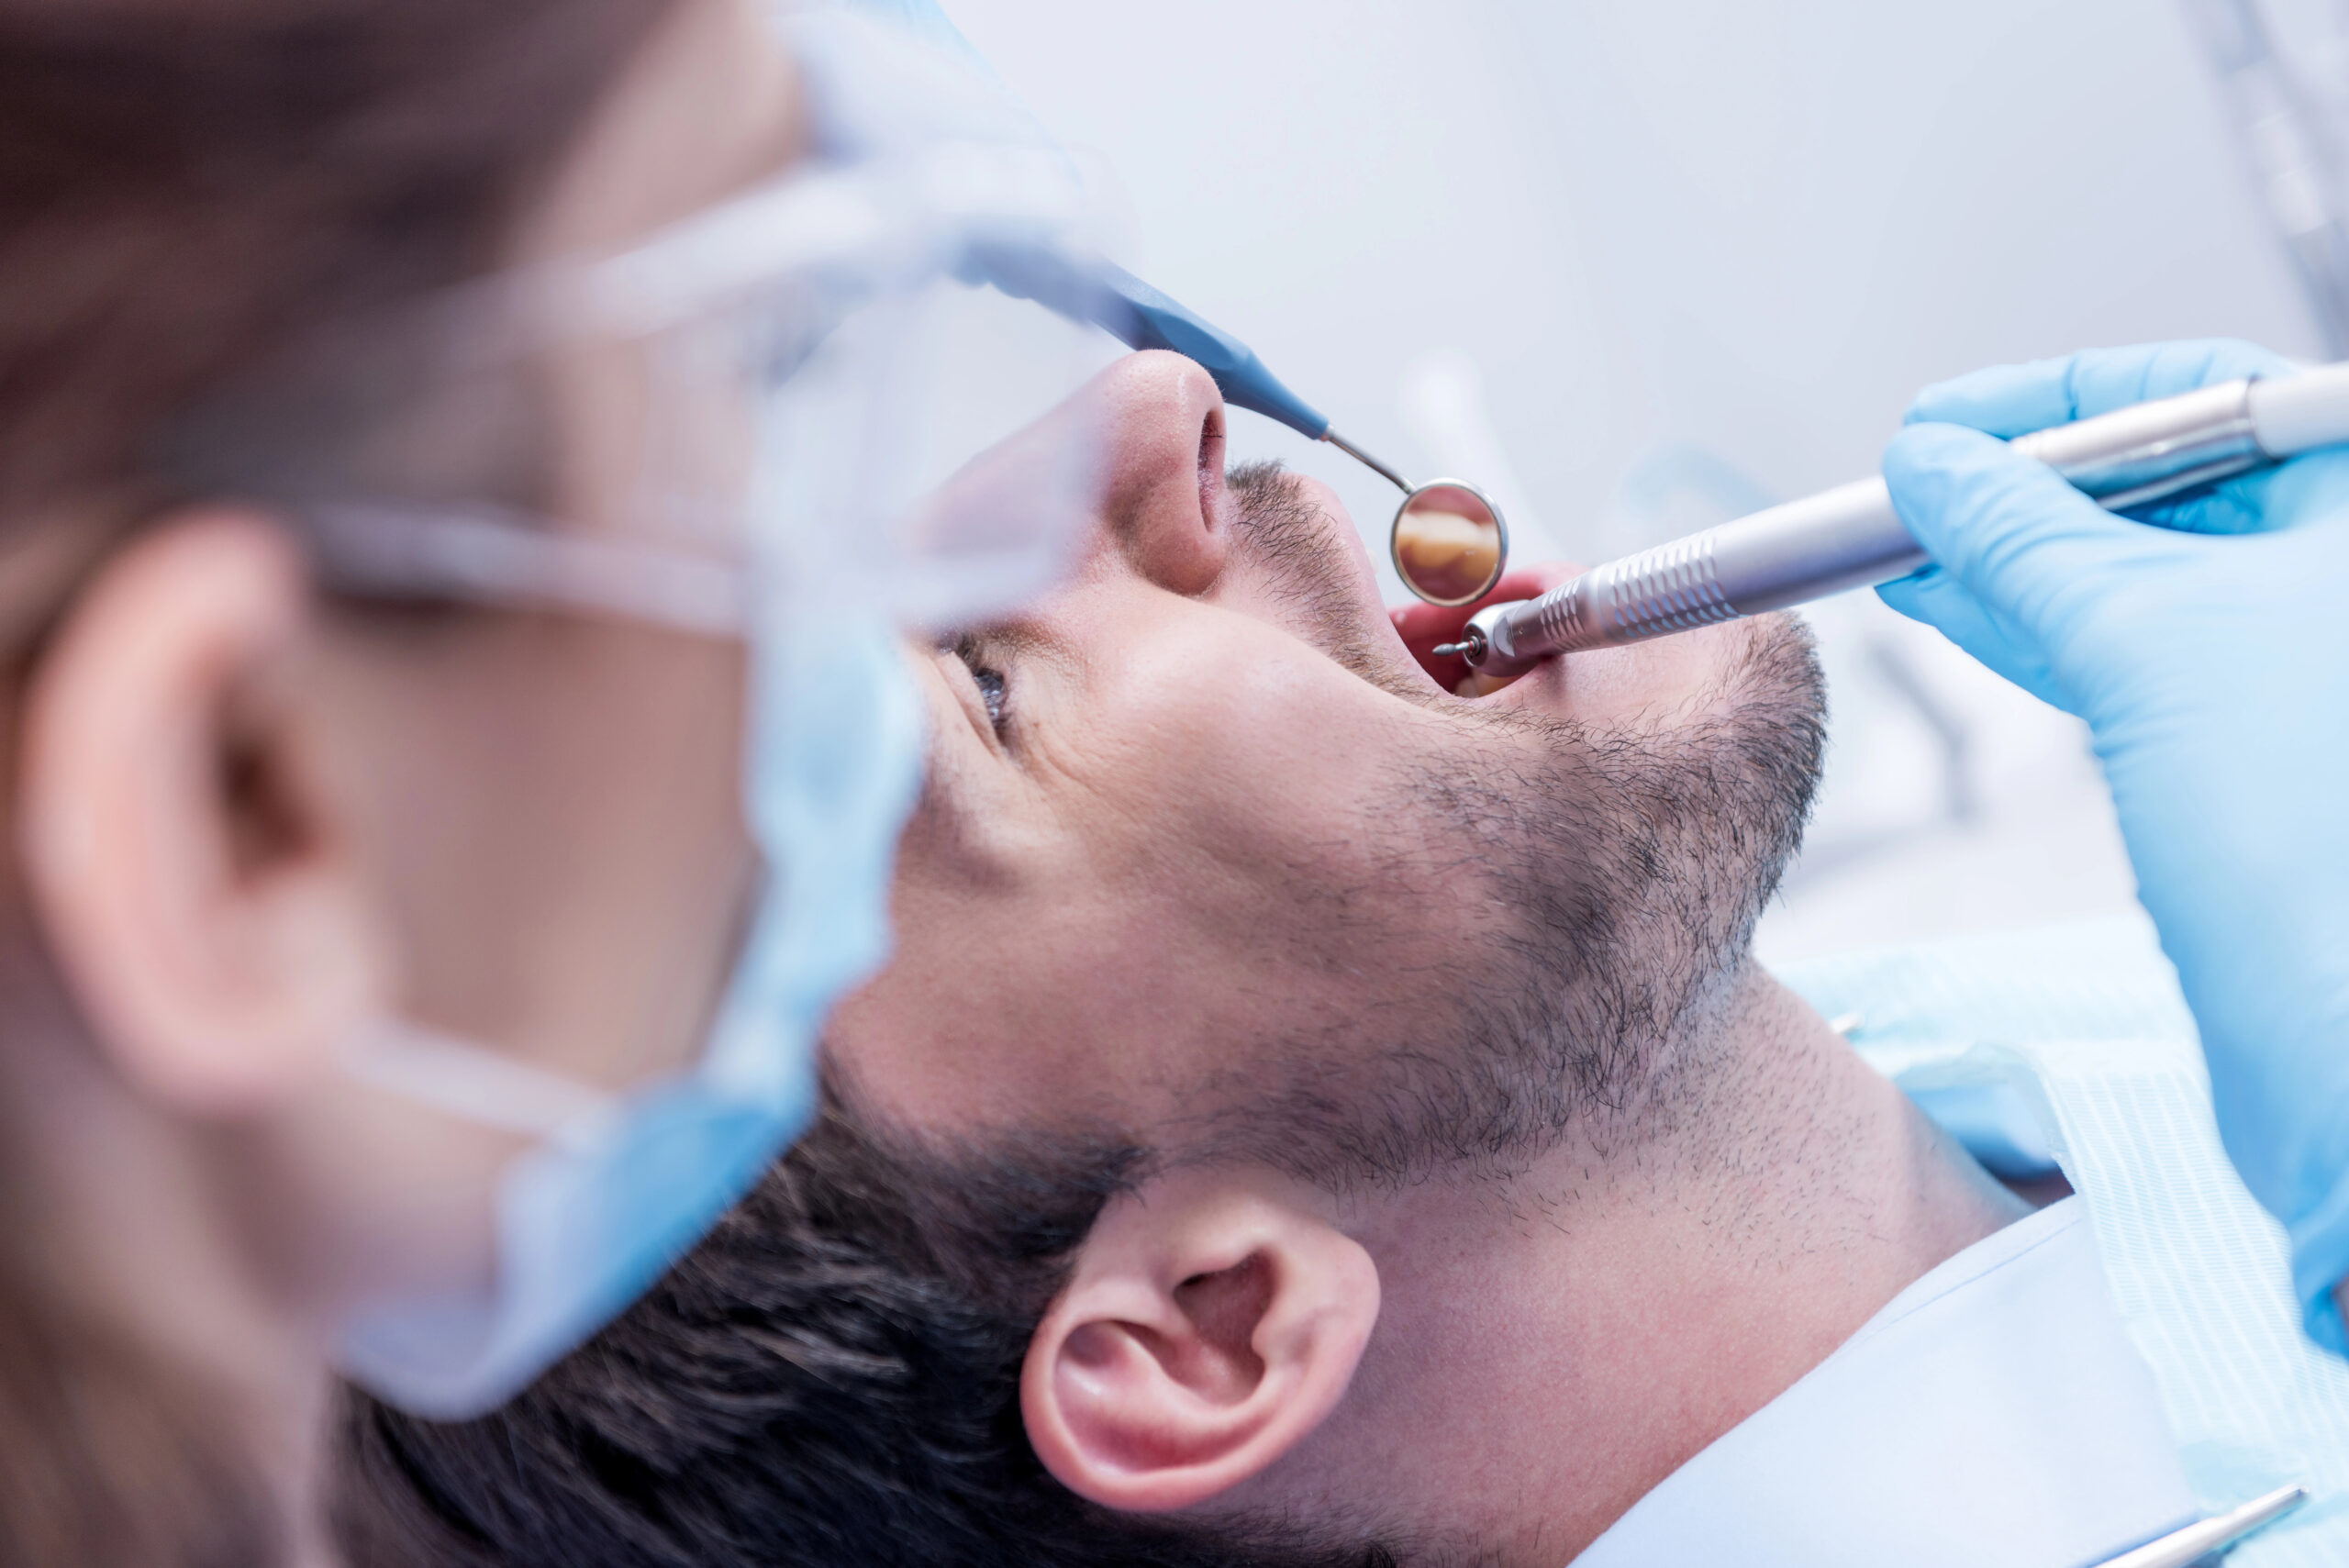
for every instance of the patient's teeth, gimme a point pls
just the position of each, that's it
(1445, 553)
(1479, 685)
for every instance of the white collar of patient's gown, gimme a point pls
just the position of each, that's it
(1993, 1414)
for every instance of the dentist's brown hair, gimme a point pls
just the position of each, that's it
(186, 187)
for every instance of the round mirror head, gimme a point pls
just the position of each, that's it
(1450, 544)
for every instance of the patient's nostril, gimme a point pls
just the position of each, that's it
(1165, 502)
(1211, 476)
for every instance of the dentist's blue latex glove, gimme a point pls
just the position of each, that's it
(2208, 649)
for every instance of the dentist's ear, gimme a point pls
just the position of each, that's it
(1210, 1324)
(172, 820)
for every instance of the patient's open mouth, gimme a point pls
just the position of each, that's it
(1301, 538)
(1426, 628)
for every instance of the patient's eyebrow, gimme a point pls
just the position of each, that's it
(1014, 640)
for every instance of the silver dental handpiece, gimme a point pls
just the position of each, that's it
(1850, 537)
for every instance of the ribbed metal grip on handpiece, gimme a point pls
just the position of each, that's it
(1673, 587)
(1851, 537)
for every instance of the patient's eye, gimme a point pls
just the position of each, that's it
(986, 677)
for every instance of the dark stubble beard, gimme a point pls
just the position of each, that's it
(1629, 864)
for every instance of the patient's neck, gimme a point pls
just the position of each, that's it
(1551, 1348)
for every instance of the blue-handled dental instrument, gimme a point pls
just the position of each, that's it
(1141, 317)
(2207, 1541)
(1448, 541)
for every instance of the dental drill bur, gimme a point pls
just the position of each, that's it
(1851, 537)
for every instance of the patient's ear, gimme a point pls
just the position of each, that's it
(1210, 1324)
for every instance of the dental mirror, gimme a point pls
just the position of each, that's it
(1448, 543)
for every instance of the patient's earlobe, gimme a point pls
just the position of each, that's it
(1210, 1323)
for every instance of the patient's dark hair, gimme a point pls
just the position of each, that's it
(831, 1378)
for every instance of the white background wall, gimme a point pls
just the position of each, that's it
(1642, 263)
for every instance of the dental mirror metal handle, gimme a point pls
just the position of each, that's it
(1448, 541)
(1851, 537)
(2206, 1538)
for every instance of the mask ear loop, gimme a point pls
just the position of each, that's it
(697, 445)
(472, 1084)
(486, 555)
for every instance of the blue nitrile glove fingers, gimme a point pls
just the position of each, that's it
(2213, 672)
(1936, 471)
(2041, 564)
(1938, 600)
(2011, 400)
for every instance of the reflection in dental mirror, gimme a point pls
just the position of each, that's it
(1450, 544)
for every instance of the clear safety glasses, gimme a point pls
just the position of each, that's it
(851, 386)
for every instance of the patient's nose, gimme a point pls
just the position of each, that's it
(1164, 504)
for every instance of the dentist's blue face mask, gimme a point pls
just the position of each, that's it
(618, 1186)
(827, 463)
